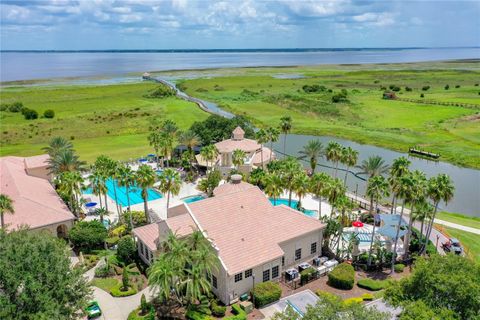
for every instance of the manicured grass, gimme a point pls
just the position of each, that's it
(470, 241)
(458, 218)
(111, 119)
(106, 284)
(449, 130)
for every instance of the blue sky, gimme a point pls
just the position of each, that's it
(185, 24)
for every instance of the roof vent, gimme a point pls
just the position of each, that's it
(236, 178)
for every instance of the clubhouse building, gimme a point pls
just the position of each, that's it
(254, 240)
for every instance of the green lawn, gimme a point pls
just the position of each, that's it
(452, 131)
(106, 284)
(458, 218)
(470, 241)
(111, 119)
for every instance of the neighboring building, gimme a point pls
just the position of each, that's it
(35, 201)
(238, 141)
(254, 240)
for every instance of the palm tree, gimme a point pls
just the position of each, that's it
(336, 189)
(103, 165)
(273, 186)
(312, 151)
(423, 211)
(349, 158)
(398, 169)
(262, 138)
(6, 206)
(111, 172)
(417, 194)
(154, 139)
(343, 204)
(373, 166)
(377, 188)
(69, 184)
(64, 160)
(290, 169)
(145, 178)
(57, 144)
(273, 135)
(161, 277)
(285, 126)
(440, 188)
(210, 154)
(334, 154)
(98, 184)
(170, 183)
(126, 178)
(301, 186)
(319, 185)
(238, 158)
(190, 140)
(168, 137)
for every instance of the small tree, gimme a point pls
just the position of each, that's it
(143, 304)
(447, 87)
(49, 114)
(126, 249)
(88, 235)
(29, 114)
(125, 280)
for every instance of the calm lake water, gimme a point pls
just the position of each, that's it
(43, 65)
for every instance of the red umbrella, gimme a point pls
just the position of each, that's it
(357, 224)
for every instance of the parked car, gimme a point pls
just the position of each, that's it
(93, 310)
(453, 245)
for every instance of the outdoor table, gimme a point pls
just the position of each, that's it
(303, 266)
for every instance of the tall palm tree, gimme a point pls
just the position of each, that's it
(6, 206)
(417, 194)
(301, 186)
(273, 186)
(336, 189)
(103, 166)
(373, 166)
(342, 204)
(69, 184)
(312, 151)
(145, 178)
(398, 169)
(377, 188)
(155, 141)
(262, 138)
(273, 135)
(190, 140)
(440, 188)
(98, 183)
(319, 185)
(64, 160)
(289, 170)
(170, 183)
(161, 277)
(423, 211)
(238, 158)
(56, 144)
(210, 154)
(168, 137)
(349, 158)
(286, 127)
(126, 178)
(111, 171)
(334, 154)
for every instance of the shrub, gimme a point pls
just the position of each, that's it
(49, 114)
(447, 87)
(138, 218)
(111, 241)
(218, 311)
(126, 249)
(266, 292)
(425, 88)
(339, 97)
(125, 280)
(307, 274)
(371, 284)
(103, 272)
(342, 277)
(399, 267)
(133, 269)
(29, 114)
(136, 315)
(15, 107)
(367, 297)
(239, 313)
(350, 301)
(161, 91)
(396, 89)
(328, 296)
(117, 291)
(195, 315)
(422, 95)
(88, 234)
(457, 86)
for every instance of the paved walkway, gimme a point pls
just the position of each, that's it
(457, 226)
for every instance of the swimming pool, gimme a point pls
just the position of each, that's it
(135, 193)
(193, 199)
(310, 213)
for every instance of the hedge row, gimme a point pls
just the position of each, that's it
(342, 277)
(266, 292)
(371, 284)
(117, 292)
(239, 313)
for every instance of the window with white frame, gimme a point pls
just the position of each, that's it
(238, 277)
(313, 248)
(248, 273)
(298, 254)
(275, 272)
(266, 275)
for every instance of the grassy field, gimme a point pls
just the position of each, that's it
(470, 241)
(458, 218)
(452, 131)
(110, 119)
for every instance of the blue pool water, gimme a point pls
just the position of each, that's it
(193, 199)
(134, 193)
(310, 213)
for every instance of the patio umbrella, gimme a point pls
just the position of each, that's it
(90, 204)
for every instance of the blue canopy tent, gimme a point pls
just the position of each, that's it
(389, 226)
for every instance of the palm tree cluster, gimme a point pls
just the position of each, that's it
(6, 206)
(62, 157)
(337, 153)
(182, 272)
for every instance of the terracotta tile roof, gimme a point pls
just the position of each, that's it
(257, 158)
(148, 234)
(227, 188)
(35, 201)
(247, 145)
(36, 161)
(238, 130)
(247, 229)
(182, 225)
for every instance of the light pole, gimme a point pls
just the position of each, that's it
(253, 289)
